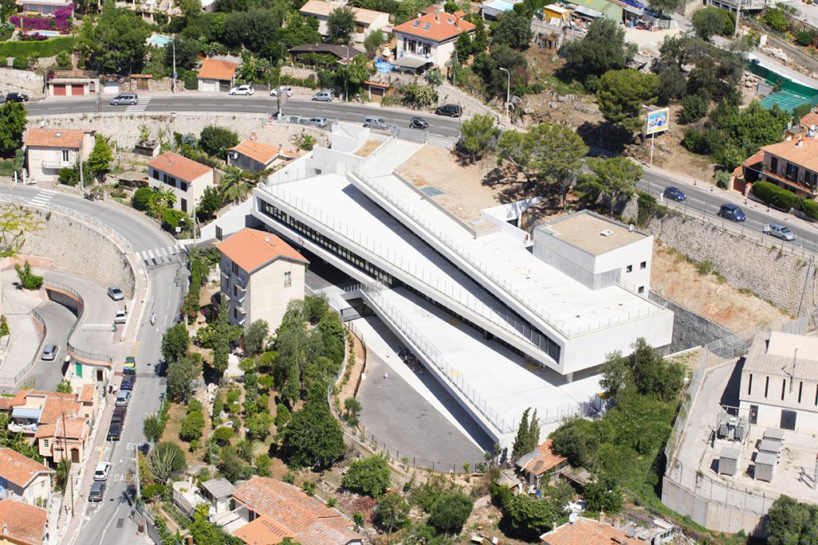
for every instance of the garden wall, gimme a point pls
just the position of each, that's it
(29, 83)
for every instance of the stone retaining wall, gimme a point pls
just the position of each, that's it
(29, 83)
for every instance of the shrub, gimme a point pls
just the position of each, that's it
(774, 196)
(21, 63)
(47, 48)
(283, 415)
(141, 197)
(722, 178)
(223, 435)
(153, 491)
(805, 38)
(391, 513)
(33, 282)
(695, 108)
(776, 19)
(172, 219)
(192, 426)
(370, 476)
(810, 208)
(450, 512)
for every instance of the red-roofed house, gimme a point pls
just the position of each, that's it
(21, 478)
(275, 510)
(216, 75)
(23, 524)
(585, 531)
(429, 39)
(187, 178)
(49, 150)
(541, 461)
(366, 20)
(260, 275)
(257, 157)
(793, 164)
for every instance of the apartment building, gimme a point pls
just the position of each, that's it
(50, 150)
(793, 164)
(185, 177)
(428, 40)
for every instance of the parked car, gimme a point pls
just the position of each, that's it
(127, 99)
(120, 317)
(16, 97)
(97, 491)
(242, 90)
(319, 122)
(115, 293)
(127, 382)
(49, 352)
(674, 194)
(119, 415)
(732, 212)
(418, 123)
(129, 368)
(377, 123)
(123, 398)
(114, 431)
(283, 90)
(451, 110)
(779, 231)
(324, 96)
(101, 471)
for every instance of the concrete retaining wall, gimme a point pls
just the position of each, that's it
(689, 329)
(29, 83)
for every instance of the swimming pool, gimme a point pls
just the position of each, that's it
(44, 32)
(159, 40)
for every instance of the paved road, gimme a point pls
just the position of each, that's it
(58, 319)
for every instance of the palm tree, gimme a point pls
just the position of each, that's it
(235, 185)
(160, 201)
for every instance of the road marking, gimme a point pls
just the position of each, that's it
(135, 348)
(139, 107)
(42, 197)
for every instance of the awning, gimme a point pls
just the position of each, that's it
(631, 9)
(588, 12)
(411, 62)
(27, 413)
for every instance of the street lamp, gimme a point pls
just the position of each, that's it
(346, 76)
(173, 43)
(508, 94)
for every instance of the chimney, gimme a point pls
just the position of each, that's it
(554, 526)
(602, 517)
(5, 529)
(437, 17)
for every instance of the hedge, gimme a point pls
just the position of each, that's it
(810, 208)
(47, 48)
(774, 196)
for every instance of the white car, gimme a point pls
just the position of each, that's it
(120, 317)
(283, 90)
(242, 90)
(101, 472)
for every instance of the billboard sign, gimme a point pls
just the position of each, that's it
(658, 121)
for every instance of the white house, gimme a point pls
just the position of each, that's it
(260, 275)
(23, 479)
(187, 178)
(429, 39)
(779, 382)
(49, 150)
(216, 75)
(366, 20)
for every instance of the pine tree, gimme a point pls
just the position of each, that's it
(99, 161)
(533, 432)
(521, 440)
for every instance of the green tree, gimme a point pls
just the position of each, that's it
(214, 140)
(181, 376)
(175, 342)
(672, 84)
(708, 22)
(115, 42)
(354, 73)
(622, 93)
(373, 41)
(64, 387)
(601, 50)
(791, 522)
(192, 426)
(256, 336)
(258, 426)
(165, 459)
(418, 96)
(513, 30)
(527, 518)
(602, 495)
(645, 370)
(391, 513)
(664, 6)
(533, 431)
(521, 440)
(313, 437)
(477, 136)
(141, 198)
(99, 161)
(611, 179)
(370, 476)
(12, 125)
(235, 185)
(210, 203)
(694, 107)
(352, 408)
(496, 80)
(340, 25)
(224, 334)
(153, 428)
(450, 512)
(205, 532)
(776, 18)
(577, 440)
(254, 29)
(464, 47)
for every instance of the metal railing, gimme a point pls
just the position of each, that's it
(18, 376)
(84, 354)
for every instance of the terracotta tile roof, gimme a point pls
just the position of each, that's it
(803, 153)
(262, 153)
(75, 428)
(323, 9)
(54, 138)
(541, 460)
(179, 167)
(251, 249)
(87, 393)
(55, 407)
(22, 522)
(587, 532)
(438, 27)
(6, 403)
(287, 510)
(18, 469)
(215, 69)
(754, 159)
(810, 120)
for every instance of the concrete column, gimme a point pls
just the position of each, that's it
(569, 377)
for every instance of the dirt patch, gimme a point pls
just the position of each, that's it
(709, 295)
(368, 148)
(463, 193)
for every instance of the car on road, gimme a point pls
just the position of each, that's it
(16, 97)
(451, 110)
(119, 415)
(324, 96)
(284, 90)
(120, 317)
(779, 231)
(127, 382)
(49, 352)
(101, 471)
(114, 431)
(97, 491)
(125, 99)
(246, 90)
(129, 368)
(732, 212)
(377, 123)
(674, 194)
(123, 398)
(319, 122)
(418, 123)
(115, 293)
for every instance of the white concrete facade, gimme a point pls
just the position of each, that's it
(188, 192)
(438, 53)
(366, 21)
(45, 162)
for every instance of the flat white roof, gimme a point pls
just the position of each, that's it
(591, 233)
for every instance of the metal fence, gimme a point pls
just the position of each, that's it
(17, 377)
(84, 354)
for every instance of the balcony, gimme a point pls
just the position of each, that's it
(56, 165)
(799, 188)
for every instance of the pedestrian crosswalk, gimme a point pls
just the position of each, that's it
(42, 197)
(140, 106)
(160, 256)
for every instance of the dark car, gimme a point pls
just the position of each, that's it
(114, 432)
(128, 382)
(119, 415)
(17, 97)
(418, 123)
(732, 212)
(97, 491)
(674, 194)
(451, 110)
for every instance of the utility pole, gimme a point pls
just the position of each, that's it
(82, 179)
(508, 94)
(67, 463)
(738, 16)
(346, 76)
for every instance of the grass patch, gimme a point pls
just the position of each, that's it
(562, 88)
(45, 48)
(7, 168)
